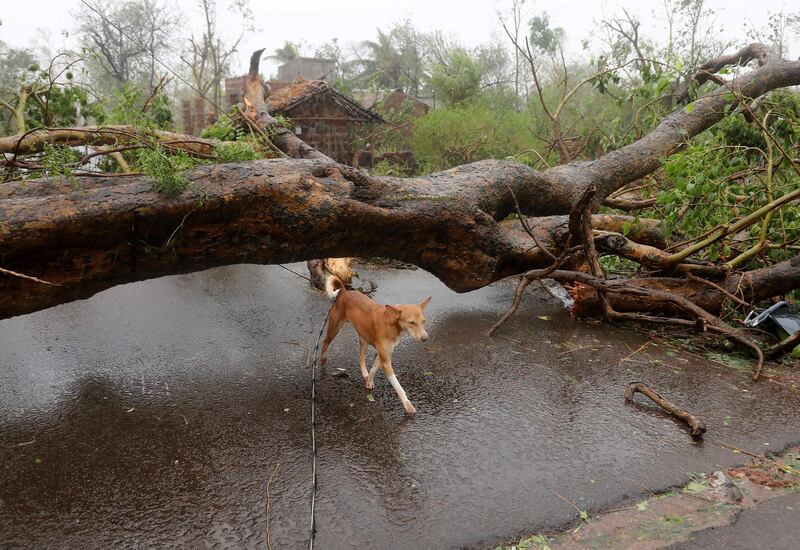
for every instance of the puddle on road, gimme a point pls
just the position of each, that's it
(155, 413)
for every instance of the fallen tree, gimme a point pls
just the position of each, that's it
(85, 234)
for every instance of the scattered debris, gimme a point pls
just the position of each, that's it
(698, 428)
(779, 318)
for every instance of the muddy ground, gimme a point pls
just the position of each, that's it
(153, 414)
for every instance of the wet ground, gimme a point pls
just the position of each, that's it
(756, 528)
(154, 414)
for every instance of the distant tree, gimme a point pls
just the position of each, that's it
(458, 74)
(16, 68)
(122, 41)
(286, 53)
(543, 37)
(346, 71)
(209, 55)
(409, 45)
(779, 31)
(382, 65)
(458, 78)
(395, 60)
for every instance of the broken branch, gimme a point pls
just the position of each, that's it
(698, 427)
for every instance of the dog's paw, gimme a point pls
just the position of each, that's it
(410, 409)
(369, 384)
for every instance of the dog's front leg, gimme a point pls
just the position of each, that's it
(386, 362)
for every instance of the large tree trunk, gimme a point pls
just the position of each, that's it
(88, 234)
(92, 233)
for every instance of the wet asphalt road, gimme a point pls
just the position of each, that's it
(154, 414)
(773, 525)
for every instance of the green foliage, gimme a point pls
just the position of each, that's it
(616, 265)
(164, 170)
(286, 53)
(543, 37)
(459, 80)
(56, 162)
(60, 106)
(447, 137)
(236, 152)
(393, 60)
(386, 168)
(738, 132)
(224, 130)
(127, 106)
(720, 177)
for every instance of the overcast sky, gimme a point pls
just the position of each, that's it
(49, 22)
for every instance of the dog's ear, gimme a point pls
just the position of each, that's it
(393, 310)
(425, 302)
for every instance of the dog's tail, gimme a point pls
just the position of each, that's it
(333, 286)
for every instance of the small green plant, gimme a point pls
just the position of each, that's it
(224, 129)
(538, 542)
(57, 161)
(165, 170)
(386, 168)
(236, 152)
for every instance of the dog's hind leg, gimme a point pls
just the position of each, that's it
(372, 372)
(362, 357)
(335, 321)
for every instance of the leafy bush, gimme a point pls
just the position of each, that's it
(447, 137)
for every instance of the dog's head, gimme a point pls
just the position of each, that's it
(411, 318)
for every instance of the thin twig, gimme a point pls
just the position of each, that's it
(634, 352)
(28, 277)
(737, 449)
(719, 289)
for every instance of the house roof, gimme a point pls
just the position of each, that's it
(285, 96)
(384, 100)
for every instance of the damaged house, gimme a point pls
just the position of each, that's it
(326, 119)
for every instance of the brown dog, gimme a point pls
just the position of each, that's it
(377, 325)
